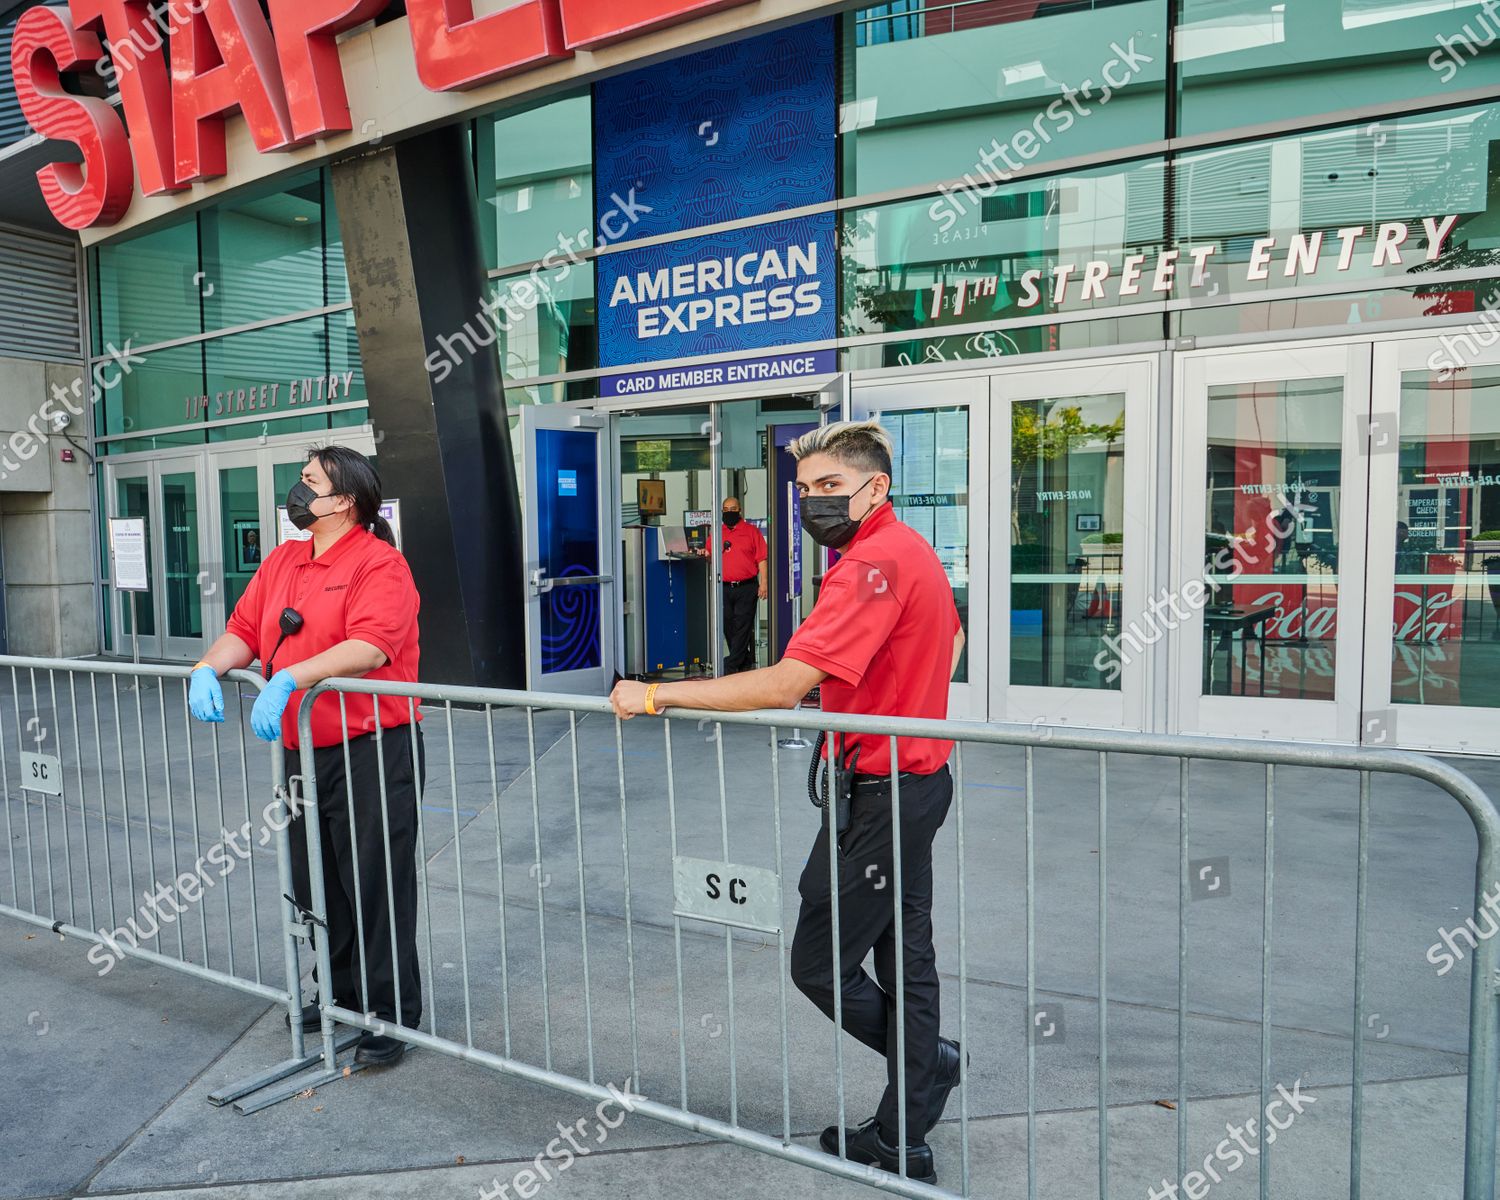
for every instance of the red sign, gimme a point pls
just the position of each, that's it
(283, 76)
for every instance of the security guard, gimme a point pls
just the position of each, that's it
(744, 568)
(340, 604)
(883, 639)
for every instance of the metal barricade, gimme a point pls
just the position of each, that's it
(625, 934)
(133, 827)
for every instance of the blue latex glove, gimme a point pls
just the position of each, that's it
(205, 697)
(265, 717)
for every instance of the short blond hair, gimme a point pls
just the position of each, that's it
(862, 444)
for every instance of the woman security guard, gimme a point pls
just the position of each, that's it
(341, 604)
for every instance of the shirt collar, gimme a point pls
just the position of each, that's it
(878, 519)
(336, 551)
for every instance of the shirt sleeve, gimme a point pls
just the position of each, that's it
(856, 611)
(760, 545)
(382, 606)
(244, 622)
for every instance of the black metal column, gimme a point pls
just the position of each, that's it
(410, 226)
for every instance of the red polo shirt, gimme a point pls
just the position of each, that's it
(883, 631)
(744, 551)
(360, 587)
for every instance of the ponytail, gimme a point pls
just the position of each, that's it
(381, 528)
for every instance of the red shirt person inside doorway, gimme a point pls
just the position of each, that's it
(744, 575)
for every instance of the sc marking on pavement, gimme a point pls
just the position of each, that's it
(41, 773)
(727, 894)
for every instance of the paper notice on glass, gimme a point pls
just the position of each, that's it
(893, 424)
(952, 453)
(127, 540)
(951, 540)
(288, 531)
(919, 517)
(917, 454)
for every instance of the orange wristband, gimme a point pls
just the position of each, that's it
(651, 700)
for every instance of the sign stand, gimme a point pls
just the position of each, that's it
(127, 542)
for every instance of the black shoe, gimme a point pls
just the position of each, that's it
(865, 1145)
(311, 1019)
(375, 1050)
(949, 1068)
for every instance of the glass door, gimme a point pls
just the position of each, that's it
(569, 541)
(1072, 467)
(1269, 559)
(940, 431)
(179, 495)
(1432, 661)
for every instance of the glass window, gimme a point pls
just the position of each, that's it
(536, 185)
(1446, 620)
(161, 389)
(930, 492)
(283, 373)
(1243, 61)
(1271, 549)
(546, 322)
(1023, 252)
(148, 289)
(179, 505)
(946, 90)
(263, 255)
(1368, 202)
(1067, 537)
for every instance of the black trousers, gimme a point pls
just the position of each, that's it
(343, 845)
(867, 921)
(740, 602)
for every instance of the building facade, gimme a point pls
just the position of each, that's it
(1179, 313)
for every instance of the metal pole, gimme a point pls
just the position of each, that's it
(135, 631)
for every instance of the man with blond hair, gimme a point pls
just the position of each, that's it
(883, 639)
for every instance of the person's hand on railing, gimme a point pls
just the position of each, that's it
(205, 696)
(265, 717)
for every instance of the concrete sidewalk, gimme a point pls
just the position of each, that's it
(108, 1079)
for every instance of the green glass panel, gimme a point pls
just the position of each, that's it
(536, 190)
(1269, 60)
(941, 91)
(179, 498)
(263, 255)
(148, 289)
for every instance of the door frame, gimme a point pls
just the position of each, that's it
(1460, 729)
(588, 680)
(1336, 720)
(1129, 706)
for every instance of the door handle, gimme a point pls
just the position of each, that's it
(541, 584)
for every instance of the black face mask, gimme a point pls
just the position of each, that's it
(299, 505)
(827, 521)
(731, 519)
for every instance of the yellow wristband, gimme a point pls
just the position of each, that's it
(651, 700)
(201, 663)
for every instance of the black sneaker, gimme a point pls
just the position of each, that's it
(865, 1145)
(376, 1050)
(950, 1067)
(311, 1019)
